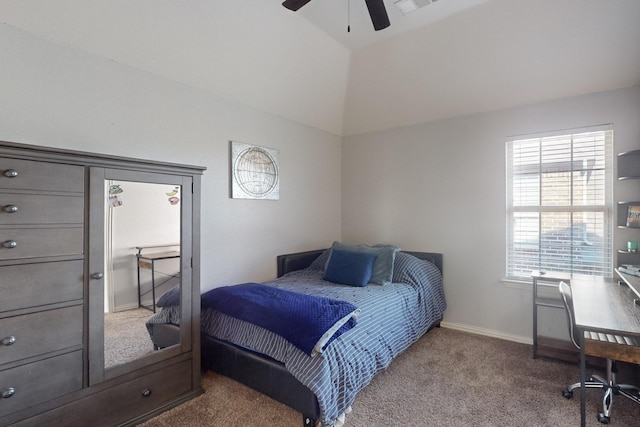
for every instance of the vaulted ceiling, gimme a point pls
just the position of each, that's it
(348, 21)
(494, 55)
(449, 58)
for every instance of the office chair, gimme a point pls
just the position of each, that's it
(609, 385)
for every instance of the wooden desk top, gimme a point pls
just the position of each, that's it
(161, 255)
(601, 305)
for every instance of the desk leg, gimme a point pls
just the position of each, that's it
(139, 288)
(153, 285)
(535, 318)
(583, 389)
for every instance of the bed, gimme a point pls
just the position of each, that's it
(323, 387)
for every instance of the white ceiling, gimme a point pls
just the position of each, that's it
(459, 57)
(447, 59)
(334, 16)
(495, 55)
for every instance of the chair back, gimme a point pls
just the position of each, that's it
(567, 299)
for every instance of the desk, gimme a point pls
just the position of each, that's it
(601, 305)
(148, 261)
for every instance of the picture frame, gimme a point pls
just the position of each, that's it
(633, 216)
(255, 172)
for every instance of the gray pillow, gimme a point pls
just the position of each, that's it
(382, 273)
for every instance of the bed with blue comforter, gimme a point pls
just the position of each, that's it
(377, 322)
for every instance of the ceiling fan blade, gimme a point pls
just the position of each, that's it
(294, 4)
(378, 14)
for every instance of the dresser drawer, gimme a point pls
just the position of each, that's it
(140, 396)
(40, 209)
(39, 333)
(40, 176)
(37, 382)
(40, 242)
(123, 402)
(32, 285)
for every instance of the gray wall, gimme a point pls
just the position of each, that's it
(441, 187)
(60, 96)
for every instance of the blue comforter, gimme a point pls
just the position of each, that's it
(308, 322)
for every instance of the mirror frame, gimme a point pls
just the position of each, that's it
(94, 288)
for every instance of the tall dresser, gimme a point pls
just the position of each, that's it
(53, 271)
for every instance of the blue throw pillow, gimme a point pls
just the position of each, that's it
(349, 268)
(170, 298)
(382, 273)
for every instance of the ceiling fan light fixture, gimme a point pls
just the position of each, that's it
(405, 6)
(377, 11)
(408, 6)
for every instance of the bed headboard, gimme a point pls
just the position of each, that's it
(433, 257)
(296, 261)
(300, 260)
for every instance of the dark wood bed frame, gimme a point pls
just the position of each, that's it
(265, 374)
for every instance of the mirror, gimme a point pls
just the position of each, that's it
(142, 263)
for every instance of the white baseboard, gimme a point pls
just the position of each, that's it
(486, 332)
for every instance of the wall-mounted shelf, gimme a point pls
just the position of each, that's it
(628, 168)
(626, 257)
(629, 165)
(623, 210)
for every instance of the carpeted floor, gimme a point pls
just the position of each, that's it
(447, 378)
(125, 336)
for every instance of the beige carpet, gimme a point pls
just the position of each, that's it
(125, 336)
(448, 378)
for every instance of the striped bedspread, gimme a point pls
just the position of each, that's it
(392, 317)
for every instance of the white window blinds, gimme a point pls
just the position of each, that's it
(560, 203)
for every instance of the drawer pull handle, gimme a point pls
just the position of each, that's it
(9, 244)
(10, 340)
(10, 209)
(146, 392)
(97, 276)
(8, 392)
(11, 173)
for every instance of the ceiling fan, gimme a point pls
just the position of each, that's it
(377, 11)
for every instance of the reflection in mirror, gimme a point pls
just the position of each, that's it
(142, 265)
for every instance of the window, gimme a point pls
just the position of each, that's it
(560, 203)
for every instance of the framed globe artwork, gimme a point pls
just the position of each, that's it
(254, 172)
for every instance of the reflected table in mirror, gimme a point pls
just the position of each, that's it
(148, 262)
